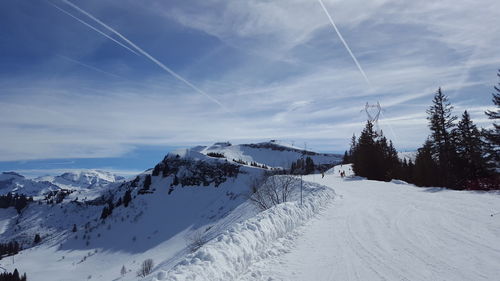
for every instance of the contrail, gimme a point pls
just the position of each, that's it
(344, 42)
(93, 28)
(147, 55)
(90, 67)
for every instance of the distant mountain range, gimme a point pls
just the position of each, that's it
(79, 180)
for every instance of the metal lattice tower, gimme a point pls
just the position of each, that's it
(373, 113)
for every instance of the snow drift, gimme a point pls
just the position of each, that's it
(231, 253)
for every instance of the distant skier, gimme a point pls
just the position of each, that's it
(322, 174)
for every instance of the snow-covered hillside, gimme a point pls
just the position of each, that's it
(392, 231)
(192, 216)
(187, 194)
(82, 179)
(16, 183)
(407, 155)
(272, 153)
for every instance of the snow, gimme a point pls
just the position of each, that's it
(78, 179)
(231, 253)
(272, 154)
(387, 231)
(407, 155)
(86, 183)
(348, 229)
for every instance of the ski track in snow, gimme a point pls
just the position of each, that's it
(387, 231)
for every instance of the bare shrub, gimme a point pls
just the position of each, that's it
(146, 268)
(270, 190)
(196, 240)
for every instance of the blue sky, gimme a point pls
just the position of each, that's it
(257, 70)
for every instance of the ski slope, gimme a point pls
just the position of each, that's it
(392, 231)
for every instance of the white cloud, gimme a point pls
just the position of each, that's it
(291, 80)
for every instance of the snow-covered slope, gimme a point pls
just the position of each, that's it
(272, 153)
(370, 231)
(187, 194)
(407, 155)
(78, 179)
(388, 231)
(16, 183)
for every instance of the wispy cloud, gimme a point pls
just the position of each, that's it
(147, 55)
(344, 42)
(275, 63)
(91, 27)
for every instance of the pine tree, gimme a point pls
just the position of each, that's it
(365, 153)
(309, 166)
(345, 159)
(425, 169)
(147, 182)
(127, 198)
(441, 124)
(470, 149)
(493, 135)
(37, 239)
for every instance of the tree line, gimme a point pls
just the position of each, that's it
(8, 249)
(456, 155)
(18, 201)
(14, 276)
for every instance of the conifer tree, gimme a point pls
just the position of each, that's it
(147, 182)
(470, 149)
(493, 135)
(127, 198)
(441, 124)
(346, 158)
(425, 170)
(37, 239)
(365, 154)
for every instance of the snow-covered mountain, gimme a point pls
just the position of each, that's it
(87, 182)
(191, 193)
(273, 153)
(16, 183)
(407, 155)
(192, 215)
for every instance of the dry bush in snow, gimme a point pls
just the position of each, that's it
(270, 190)
(146, 268)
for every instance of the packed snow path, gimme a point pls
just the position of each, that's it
(389, 231)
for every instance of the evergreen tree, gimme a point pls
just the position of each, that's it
(366, 155)
(493, 135)
(425, 169)
(309, 166)
(442, 144)
(147, 182)
(127, 198)
(37, 239)
(470, 149)
(345, 159)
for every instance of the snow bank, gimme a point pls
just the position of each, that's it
(230, 254)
